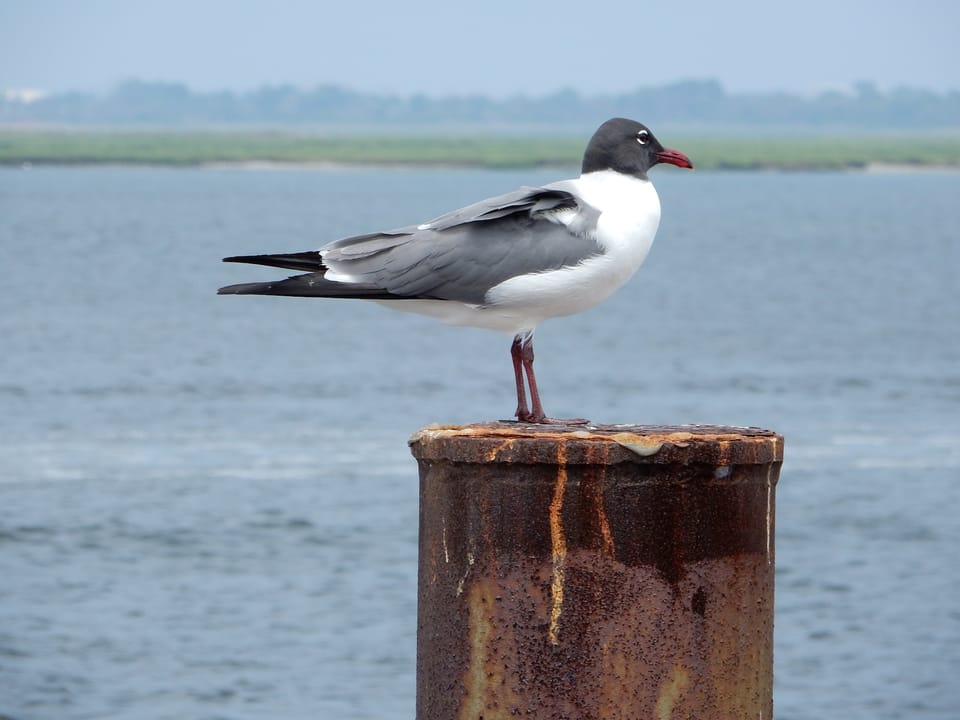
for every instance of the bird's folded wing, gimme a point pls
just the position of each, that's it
(461, 255)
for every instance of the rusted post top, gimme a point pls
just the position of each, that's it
(595, 572)
(510, 442)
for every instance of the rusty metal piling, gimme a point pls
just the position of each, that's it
(596, 572)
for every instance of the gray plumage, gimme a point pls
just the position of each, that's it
(458, 256)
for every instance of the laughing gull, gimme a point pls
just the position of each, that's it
(506, 263)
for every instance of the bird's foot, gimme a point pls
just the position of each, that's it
(562, 421)
(534, 419)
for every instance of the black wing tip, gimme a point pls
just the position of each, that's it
(311, 285)
(276, 287)
(243, 289)
(309, 261)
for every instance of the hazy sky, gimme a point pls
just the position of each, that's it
(495, 47)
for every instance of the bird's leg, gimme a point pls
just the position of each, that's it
(523, 414)
(536, 414)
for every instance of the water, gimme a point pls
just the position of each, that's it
(207, 508)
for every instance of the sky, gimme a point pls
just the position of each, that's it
(492, 47)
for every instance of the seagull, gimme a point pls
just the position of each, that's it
(506, 263)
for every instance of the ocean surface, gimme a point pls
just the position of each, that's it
(208, 508)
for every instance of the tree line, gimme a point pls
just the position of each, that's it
(695, 104)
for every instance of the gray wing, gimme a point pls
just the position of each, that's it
(461, 255)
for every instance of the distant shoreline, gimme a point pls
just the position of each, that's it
(882, 168)
(312, 165)
(271, 150)
(878, 168)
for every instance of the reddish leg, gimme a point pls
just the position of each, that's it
(536, 414)
(522, 353)
(522, 413)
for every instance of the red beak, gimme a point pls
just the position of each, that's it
(674, 157)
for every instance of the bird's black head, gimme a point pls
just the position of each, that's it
(628, 147)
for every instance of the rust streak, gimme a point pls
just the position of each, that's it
(603, 522)
(558, 544)
(596, 493)
(769, 518)
(495, 451)
(672, 691)
(608, 547)
(466, 572)
(477, 680)
(446, 551)
(724, 446)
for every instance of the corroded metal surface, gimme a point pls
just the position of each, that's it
(595, 572)
(512, 442)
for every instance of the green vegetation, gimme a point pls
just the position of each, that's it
(199, 148)
(823, 152)
(193, 148)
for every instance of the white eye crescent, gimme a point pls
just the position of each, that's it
(643, 137)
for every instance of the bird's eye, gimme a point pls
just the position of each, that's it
(643, 137)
